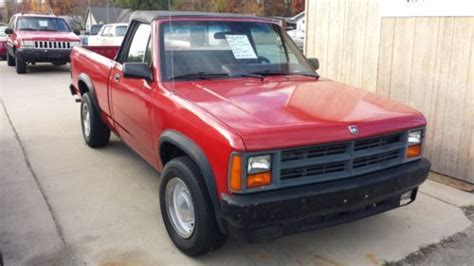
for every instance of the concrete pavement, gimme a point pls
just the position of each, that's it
(64, 203)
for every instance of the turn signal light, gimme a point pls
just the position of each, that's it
(235, 183)
(414, 151)
(260, 179)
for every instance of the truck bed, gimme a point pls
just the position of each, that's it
(95, 63)
(107, 51)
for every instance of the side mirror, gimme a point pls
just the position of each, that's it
(77, 32)
(314, 62)
(8, 31)
(137, 71)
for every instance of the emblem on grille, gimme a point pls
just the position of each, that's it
(354, 130)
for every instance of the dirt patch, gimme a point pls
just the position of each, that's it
(454, 250)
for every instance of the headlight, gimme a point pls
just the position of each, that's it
(74, 44)
(27, 44)
(414, 137)
(258, 164)
(414, 144)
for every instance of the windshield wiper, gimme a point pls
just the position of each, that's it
(29, 29)
(279, 73)
(313, 75)
(200, 75)
(248, 75)
(269, 73)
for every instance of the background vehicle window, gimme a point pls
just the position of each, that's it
(120, 31)
(106, 31)
(138, 47)
(95, 29)
(42, 24)
(2, 31)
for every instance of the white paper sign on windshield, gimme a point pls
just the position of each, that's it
(43, 23)
(241, 47)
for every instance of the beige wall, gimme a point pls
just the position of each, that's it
(425, 62)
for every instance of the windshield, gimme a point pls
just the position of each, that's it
(121, 30)
(42, 24)
(221, 49)
(96, 28)
(2, 31)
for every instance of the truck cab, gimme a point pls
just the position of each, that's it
(34, 38)
(248, 139)
(109, 35)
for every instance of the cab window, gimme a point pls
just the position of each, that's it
(140, 47)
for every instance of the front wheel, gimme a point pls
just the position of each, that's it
(96, 134)
(187, 210)
(20, 64)
(10, 60)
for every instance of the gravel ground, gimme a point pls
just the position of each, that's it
(455, 250)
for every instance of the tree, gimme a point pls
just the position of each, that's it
(297, 6)
(143, 4)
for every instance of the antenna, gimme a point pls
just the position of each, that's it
(172, 48)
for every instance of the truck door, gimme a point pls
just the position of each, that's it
(132, 98)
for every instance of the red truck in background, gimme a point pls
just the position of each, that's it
(34, 38)
(3, 42)
(249, 140)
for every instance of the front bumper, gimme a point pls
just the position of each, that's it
(267, 215)
(44, 55)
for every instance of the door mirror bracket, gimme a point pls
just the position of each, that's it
(314, 63)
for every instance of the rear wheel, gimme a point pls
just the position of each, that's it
(10, 60)
(20, 64)
(96, 133)
(187, 210)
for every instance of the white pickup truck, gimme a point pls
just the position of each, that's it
(109, 34)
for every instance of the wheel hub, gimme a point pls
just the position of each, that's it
(180, 207)
(86, 120)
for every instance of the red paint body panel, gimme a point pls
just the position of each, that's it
(293, 111)
(239, 114)
(107, 51)
(3, 46)
(46, 36)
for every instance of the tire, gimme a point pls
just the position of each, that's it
(10, 60)
(205, 235)
(96, 134)
(20, 64)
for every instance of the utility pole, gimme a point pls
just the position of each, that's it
(107, 11)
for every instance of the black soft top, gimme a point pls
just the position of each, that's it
(149, 16)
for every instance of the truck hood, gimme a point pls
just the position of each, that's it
(285, 112)
(47, 36)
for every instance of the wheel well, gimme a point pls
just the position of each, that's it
(169, 151)
(83, 87)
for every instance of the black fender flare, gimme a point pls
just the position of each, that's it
(83, 77)
(196, 154)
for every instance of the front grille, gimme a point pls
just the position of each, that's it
(375, 159)
(333, 161)
(52, 45)
(376, 142)
(312, 170)
(312, 152)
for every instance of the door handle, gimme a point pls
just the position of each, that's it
(117, 78)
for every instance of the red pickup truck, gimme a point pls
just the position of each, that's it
(34, 38)
(249, 140)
